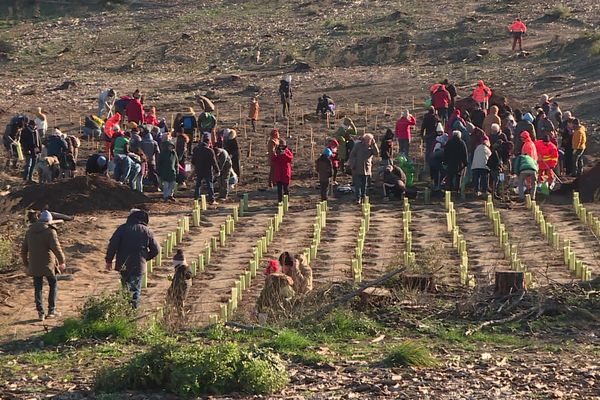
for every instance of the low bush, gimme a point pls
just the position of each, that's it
(560, 11)
(346, 324)
(409, 354)
(194, 370)
(6, 254)
(101, 317)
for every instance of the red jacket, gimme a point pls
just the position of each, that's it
(403, 127)
(481, 93)
(282, 164)
(135, 111)
(334, 146)
(151, 119)
(547, 154)
(440, 99)
(518, 26)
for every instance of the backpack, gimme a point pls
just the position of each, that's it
(188, 122)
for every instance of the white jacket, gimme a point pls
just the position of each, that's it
(480, 157)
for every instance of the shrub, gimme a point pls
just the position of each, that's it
(560, 11)
(6, 255)
(409, 354)
(345, 324)
(194, 370)
(288, 340)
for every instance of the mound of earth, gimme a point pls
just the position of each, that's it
(81, 194)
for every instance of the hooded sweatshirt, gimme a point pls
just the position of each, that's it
(528, 146)
(492, 118)
(481, 93)
(133, 244)
(547, 154)
(273, 143)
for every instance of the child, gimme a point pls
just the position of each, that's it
(178, 291)
(282, 169)
(335, 160)
(272, 268)
(324, 169)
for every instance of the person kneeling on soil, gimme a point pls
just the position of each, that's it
(41, 252)
(301, 273)
(394, 182)
(526, 169)
(325, 105)
(96, 164)
(133, 244)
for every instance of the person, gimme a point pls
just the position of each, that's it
(429, 130)
(478, 116)
(167, 169)
(57, 147)
(579, 145)
(555, 114)
(120, 105)
(360, 163)
(324, 168)
(11, 138)
(479, 167)
(453, 95)
(224, 162)
(272, 146)
(182, 141)
(152, 151)
(285, 94)
(547, 158)
(282, 166)
(205, 164)
(528, 146)
(138, 171)
(92, 127)
(545, 103)
(41, 122)
(300, 273)
(272, 268)
(254, 112)
(96, 164)
(120, 142)
(207, 123)
(436, 161)
(524, 124)
(325, 105)
(456, 159)
(233, 149)
(179, 288)
(403, 127)
(41, 253)
(544, 126)
(517, 29)
(495, 132)
(177, 124)
(31, 146)
(526, 169)
(106, 101)
(456, 123)
(490, 119)
(566, 143)
(482, 94)
(150, 117)
(387, 147)
(344, 135)
(132, 244)
(189, 123)
(335, 160)
(440, 100)
(394, 182)
(135, 141)
(135, 110)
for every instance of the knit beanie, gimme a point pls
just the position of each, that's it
(179, 259)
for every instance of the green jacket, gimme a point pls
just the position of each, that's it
(524, 163)
(167, 165)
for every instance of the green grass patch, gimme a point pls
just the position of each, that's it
(345, 324)
(409, 354)
(194, 370)
(40, 357)
(101, 317)
(6, 246)
(289, 341)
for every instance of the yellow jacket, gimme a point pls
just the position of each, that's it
(579, 138)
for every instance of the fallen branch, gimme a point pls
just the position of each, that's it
(523, 314)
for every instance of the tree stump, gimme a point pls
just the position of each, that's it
(508, 282)
(375, 297)
(421, 283)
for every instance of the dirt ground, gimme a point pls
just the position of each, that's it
(375, 58)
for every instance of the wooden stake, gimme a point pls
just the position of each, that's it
(385, 106)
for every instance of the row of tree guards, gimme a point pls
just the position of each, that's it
(409, 255)
(365, 224)
(586, 217)
(244, 280)
(458, 241)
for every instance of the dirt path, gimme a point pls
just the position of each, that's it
(583, 242)
(384, 241)
(433, 244)
(545, 263)
(485, 254)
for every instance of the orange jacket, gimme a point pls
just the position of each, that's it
(547, 154)
(254, 110)
(481, 93)
(579, 138)
(518, 26)
(529, 148)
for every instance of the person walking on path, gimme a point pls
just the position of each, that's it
(132, 244)
(360, 163)
(403, 127)
(253, 113)
(440, 100)
(517, 29)
(272, 146)
(41, 253)
(205, 164)
(286, 95)
(324, 169)
(282, 165)
(167, 169)
(456, 159)
(233, 148)
(31, 147)
(579, 145)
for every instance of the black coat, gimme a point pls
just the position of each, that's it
(205, 161)
(455, 155)
(133, 244)
(30, 142)
(429, 124)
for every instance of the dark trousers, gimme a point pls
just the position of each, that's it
(285, 105)
(38, 285)
(578, 158)
(253, 125)
(324, 189)
(568, 160)
(133, 284)
(282, 188)
(480, 179)
(404, 146)
(360, 186)
(517, 38)
(209, 185)
(153, 175)
(443, 113)
(30, 161)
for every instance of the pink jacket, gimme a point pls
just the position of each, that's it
(403, 127)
